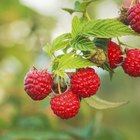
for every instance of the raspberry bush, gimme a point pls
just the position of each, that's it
(89, 44)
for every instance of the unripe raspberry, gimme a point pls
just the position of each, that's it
(85, 82)
(124, 16)
(114, 55)
(65, 105)
(99, 57)
(38, 84)
(131, 63)
(134, 17)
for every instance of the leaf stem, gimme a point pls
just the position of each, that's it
(87, 15)
(49, 65)
(59, 88)
(119, 41)
(124, 44)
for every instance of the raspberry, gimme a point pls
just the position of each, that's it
(131, 63)
(99, 57)
(85, 82)
(114, 55)
(134, 17)
(65, 105)
(38, 84)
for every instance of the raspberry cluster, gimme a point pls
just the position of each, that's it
(68, 89)
(84, 83)
(129, 60)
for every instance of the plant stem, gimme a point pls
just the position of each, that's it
(124, 44)
(49, 65)
(119, 41)
(87, 15)
(59, 88)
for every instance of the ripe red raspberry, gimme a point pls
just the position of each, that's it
(38, 84)
(131, 63)
(134, 18)
(114, 55)
(65, 105)
(85, 82)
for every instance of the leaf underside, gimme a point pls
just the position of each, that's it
(100, 104)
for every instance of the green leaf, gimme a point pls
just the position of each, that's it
(106, 28)
(66, 49)
(56, 62)
(47, 49)
(61, 42)
(68, 62)
(61, 73)
(66, 57)
(97, 103)
(79, 6)
(107, 68)
(76, 27)
(83, 44)
(83, 5)
(69, 10)
(101, 43)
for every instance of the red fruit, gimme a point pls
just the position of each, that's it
(65, 105)
(131, 63)
(134, 18)
(85, 82)
(38, 84)
(114, 55)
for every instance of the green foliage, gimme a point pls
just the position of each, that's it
(35, 135)
(101, 43)
(79, 6)
(106, 28)
(47, 49)
(78, 39)
(30, 126)
(103, 28)
(108, 69)
(71, 61)
(100, 104)
(83, 44)
(95, 130)
(76, 27)
(75, 63)
(60, 42)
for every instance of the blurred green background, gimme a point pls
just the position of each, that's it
(25, 26)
